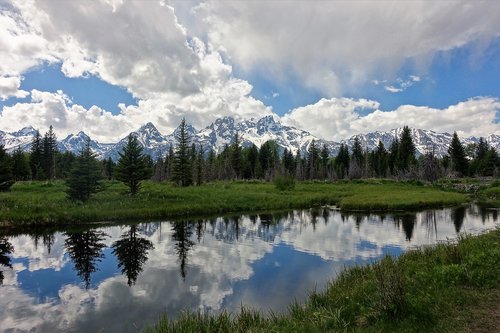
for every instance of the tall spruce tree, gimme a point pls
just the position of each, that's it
(49, 151)
(85, 176)
(406, 150)
(20, 165)
(182, 168)
(380, 164)
(456, 151)
(341, 162)
(6, 177)
(36, 152)
(132, 166)
(392, 159)
(236, 157)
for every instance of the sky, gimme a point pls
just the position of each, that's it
(333, 68)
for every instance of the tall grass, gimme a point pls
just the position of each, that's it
(42, 203)
(427, 289)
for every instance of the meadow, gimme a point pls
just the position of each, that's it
(43, 203)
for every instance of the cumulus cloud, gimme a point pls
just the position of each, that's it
(140, 46)
(339, 118)
(334, 45)
(9, 87)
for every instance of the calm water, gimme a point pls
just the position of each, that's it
(122, 277)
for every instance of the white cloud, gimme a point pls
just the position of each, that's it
(9, 87)
(339, 118)
(400, 84)
(333, 46)
(140, 46)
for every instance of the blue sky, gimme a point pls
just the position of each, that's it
(325, 67)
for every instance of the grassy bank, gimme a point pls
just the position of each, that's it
(43, 203)
(446, 288)
(490, 196)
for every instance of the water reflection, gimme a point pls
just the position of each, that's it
(6, 249)
(85, 250)
(121, 277)
(131, 251)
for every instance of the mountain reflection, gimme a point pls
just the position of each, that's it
(6, 249)
(131, 252)
(85, 250)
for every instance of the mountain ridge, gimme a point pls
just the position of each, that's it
(251, 131)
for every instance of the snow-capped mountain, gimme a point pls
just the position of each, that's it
(76, 142)
(250, 131)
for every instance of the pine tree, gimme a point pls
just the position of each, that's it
(324, 156)
(236, 157)
(182, 169)
(6, 177)
(199, 166)
(341, 162)
(20, 165)
(357, 152)
(392, 160)
(85, 176)
(49, 154)
(381, 160)
(36, 157)
(132, 166)
(457, 154)
(406, 150)
(313, 161)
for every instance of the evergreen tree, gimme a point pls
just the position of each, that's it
(392, 160)
(380, 163)
(182, 168)
(456, 151)
(6, 177)
(20, 165)
(199, 167)
(313, 161)
(85, 176)
(64, 163)
(324, 156)
(49, 154)
(406, 151)
(108, 168)
(132, 166)
(341, 162)
(131, 251)
(236, 158)
(357, 152)
(36, 157)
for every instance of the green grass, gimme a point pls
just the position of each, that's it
(451, 287)
(42, 203)
(490, 196)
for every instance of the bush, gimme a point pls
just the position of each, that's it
(284, 183)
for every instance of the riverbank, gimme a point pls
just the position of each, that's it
(451, 287)
(40, 203)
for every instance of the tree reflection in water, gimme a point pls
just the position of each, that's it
(85, 250)
(6, 249)
(183, 243)
(131, 251)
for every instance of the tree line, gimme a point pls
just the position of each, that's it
(188, 164)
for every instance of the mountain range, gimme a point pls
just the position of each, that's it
(222, 132)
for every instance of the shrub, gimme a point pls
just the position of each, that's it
(284, 183)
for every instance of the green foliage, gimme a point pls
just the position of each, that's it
(284, 182)
(182, 164)
(20, 165)
(132, 166)
(6, 177)
(459, 161)
(85, 177)
(406, 150)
